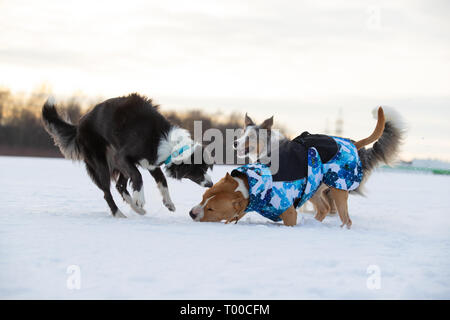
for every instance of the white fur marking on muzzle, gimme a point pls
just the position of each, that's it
(199, 211)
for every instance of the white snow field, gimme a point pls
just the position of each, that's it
(52, 218)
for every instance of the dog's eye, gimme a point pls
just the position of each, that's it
(210, 209)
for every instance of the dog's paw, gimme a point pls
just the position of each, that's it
(138, 210)
(138, 198)
(348, 224)
(119, 214)
(135, 208)
(169, 205)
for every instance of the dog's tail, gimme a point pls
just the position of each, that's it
(377, 133)
(387, 145)
(63, 133)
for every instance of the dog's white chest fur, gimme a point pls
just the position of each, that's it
(146, 165)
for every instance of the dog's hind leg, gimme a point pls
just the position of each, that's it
(121, 186)
(125, 165)
(340, 197)
(101, 178)
(321, 206)
(161, 182)
(327, 197)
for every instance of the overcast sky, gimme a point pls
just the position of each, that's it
(299, 60)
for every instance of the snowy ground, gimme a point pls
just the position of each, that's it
(52, 216)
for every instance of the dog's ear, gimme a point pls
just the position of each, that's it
(228, 177)
(248, 121)
(267, 124)
(239, 204)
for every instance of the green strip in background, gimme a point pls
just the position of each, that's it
(419, 169)
(441, 171)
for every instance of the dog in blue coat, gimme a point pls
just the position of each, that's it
(305, 164)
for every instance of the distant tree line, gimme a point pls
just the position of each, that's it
(22, 132)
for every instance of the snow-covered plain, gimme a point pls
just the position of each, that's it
(52, 217)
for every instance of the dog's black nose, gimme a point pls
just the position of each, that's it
(235, 144)
(193, 216)
(208, 184)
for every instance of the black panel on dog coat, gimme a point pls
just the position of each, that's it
(293, 155)
(325, 145)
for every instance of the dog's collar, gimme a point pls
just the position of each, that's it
(176, 153)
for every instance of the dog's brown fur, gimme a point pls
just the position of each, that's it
(222, 202)
(376, 134)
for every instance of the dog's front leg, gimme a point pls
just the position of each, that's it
(289, 217)
(161, 182)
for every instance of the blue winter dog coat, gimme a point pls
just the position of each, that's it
(270, 197)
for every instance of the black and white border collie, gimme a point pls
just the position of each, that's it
(122, 133)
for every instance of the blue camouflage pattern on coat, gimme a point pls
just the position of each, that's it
(271, 199)
(314, 178)
(344, 170)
